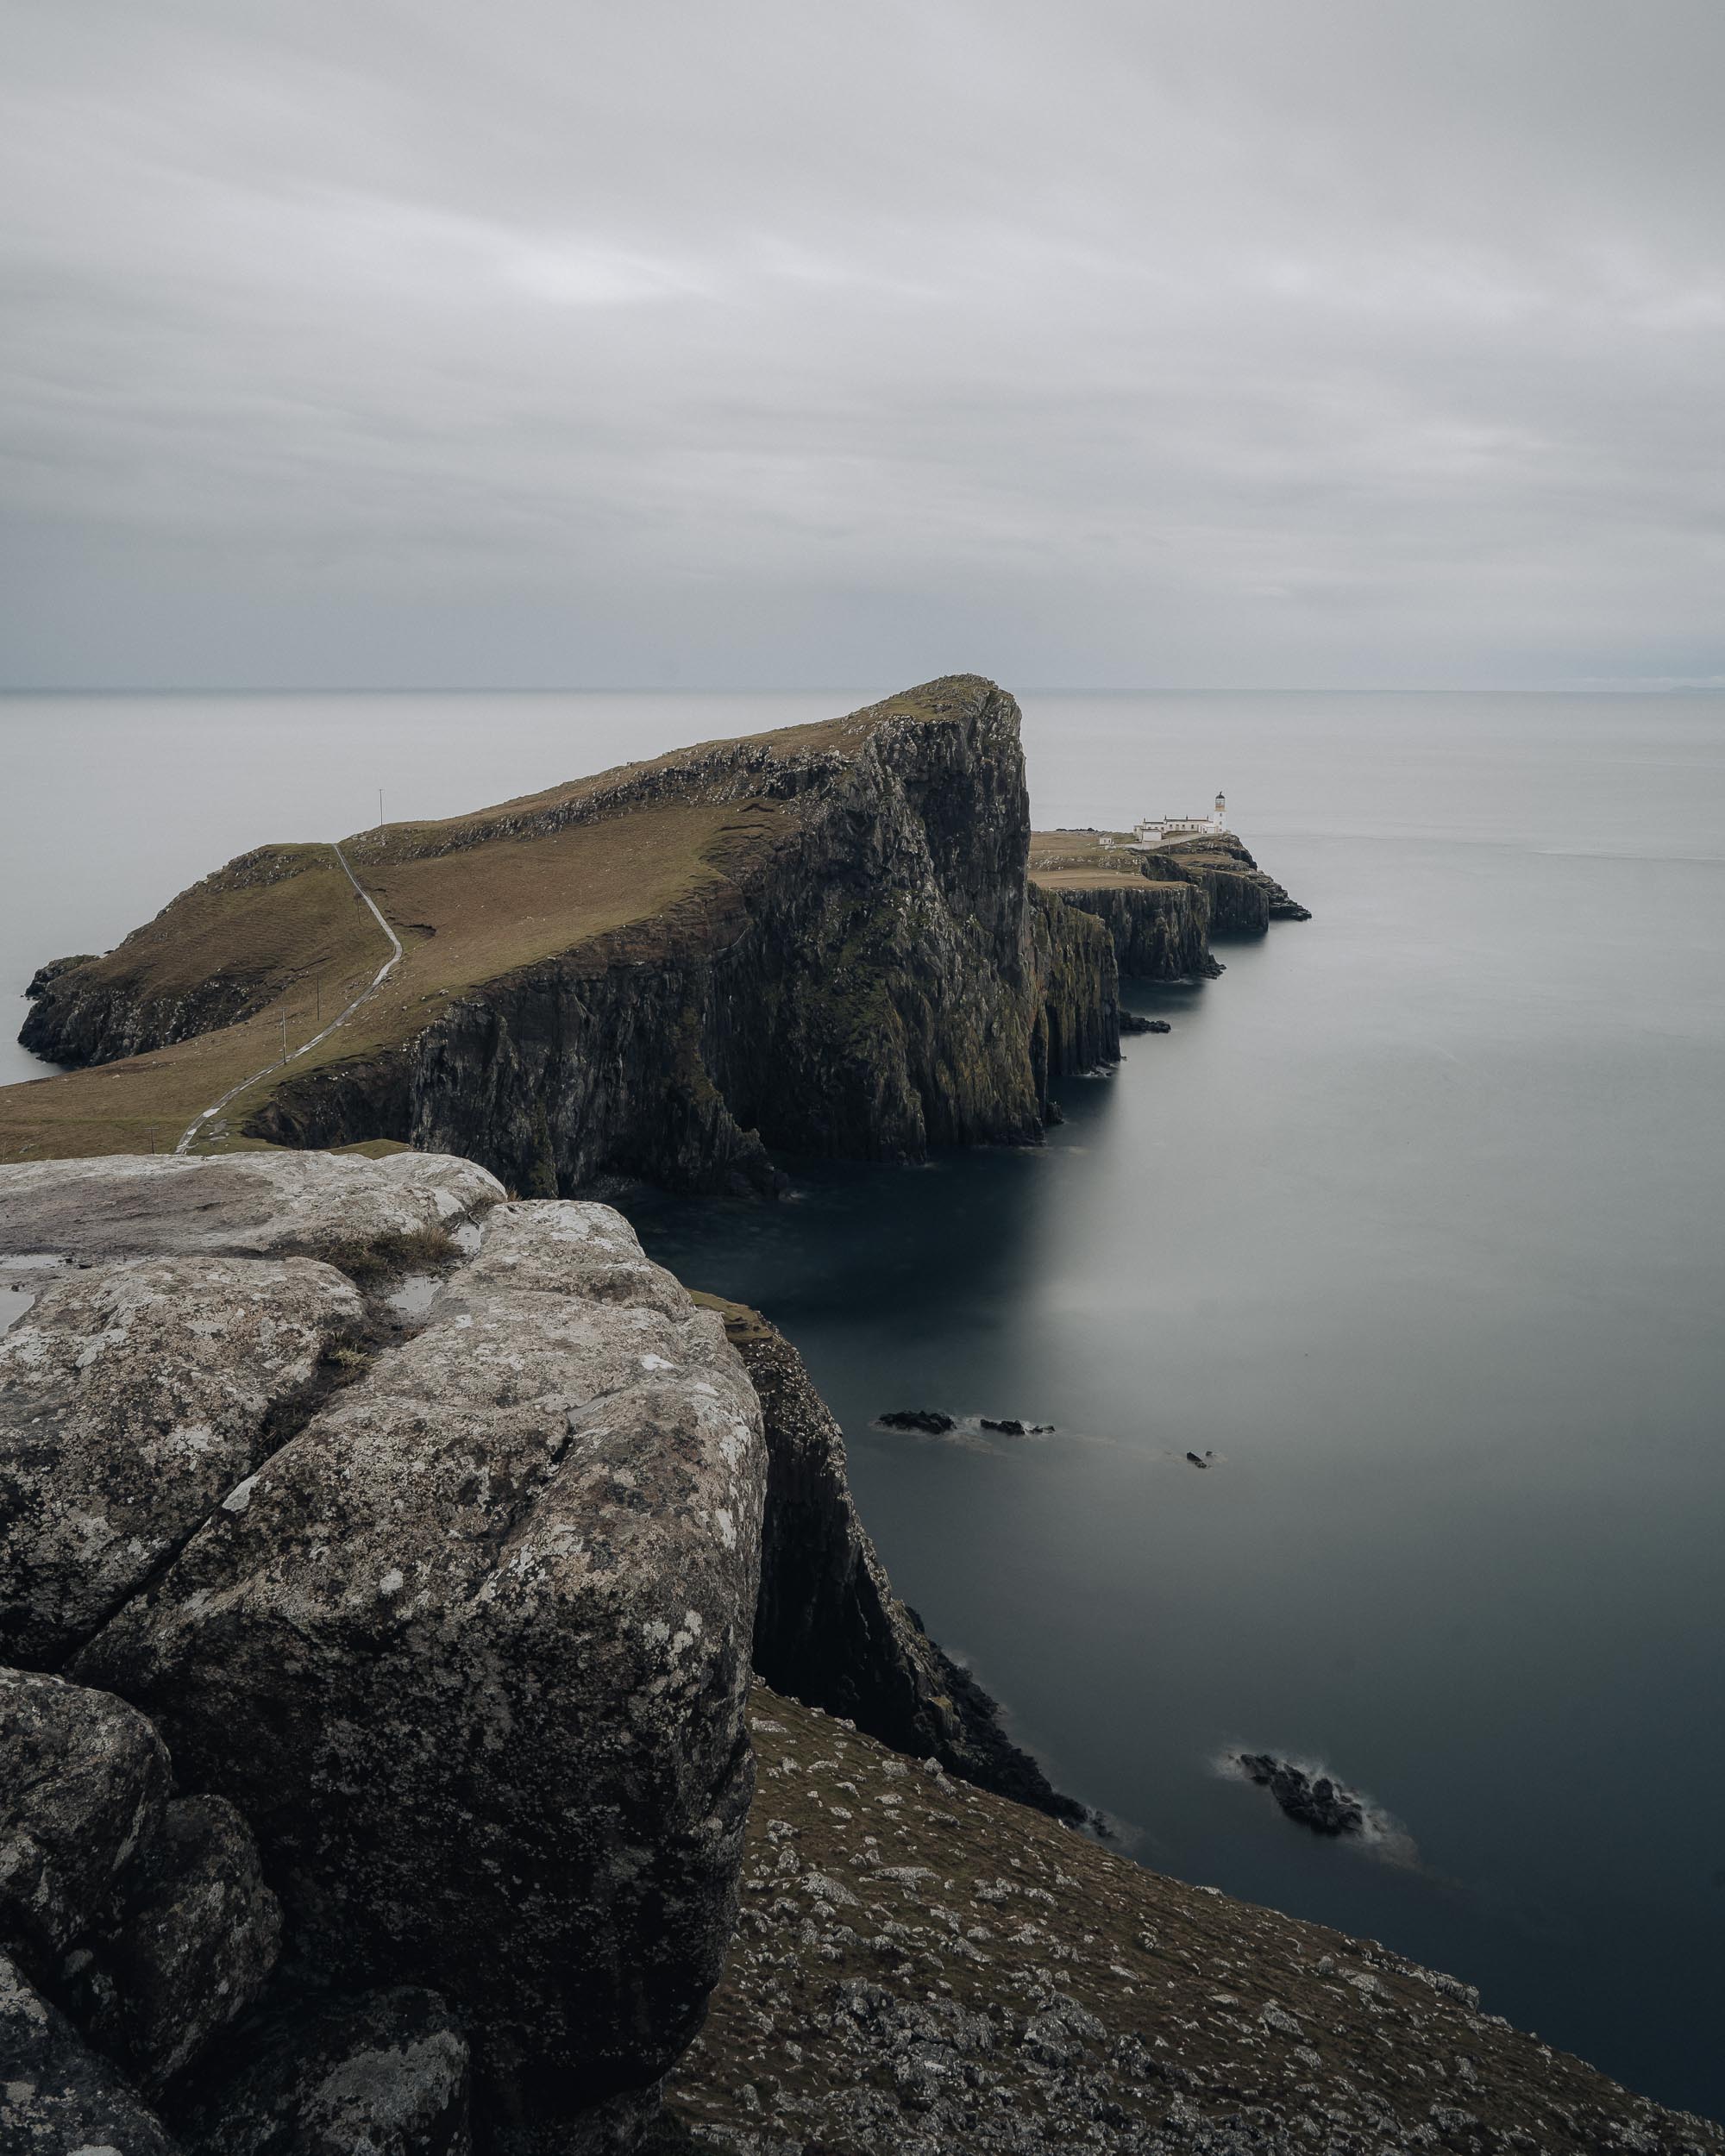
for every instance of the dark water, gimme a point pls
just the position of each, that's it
(1414, 1221)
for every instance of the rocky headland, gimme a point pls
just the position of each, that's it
(1162, 905)
(821, 940)
(394, 1562)
(376, 1761)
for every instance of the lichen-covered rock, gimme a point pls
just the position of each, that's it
(470, 1651)
(189, 1944)
(132, 1398)
(379, 2074)
(248, 1205)
(57, 2096)
(83, 1783)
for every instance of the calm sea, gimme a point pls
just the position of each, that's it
(1415, 1221)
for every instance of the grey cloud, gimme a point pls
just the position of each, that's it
(1248, 343)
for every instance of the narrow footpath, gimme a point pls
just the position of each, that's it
(281, 1061)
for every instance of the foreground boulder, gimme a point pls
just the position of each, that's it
(246, 1205)
(132, 1396)
(144, 1917)
(57, 2096)
(469, 1653)
(382, 2074)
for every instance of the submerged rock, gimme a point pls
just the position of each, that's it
(1010, 1427)
(928, 1420)
(1319, 1803)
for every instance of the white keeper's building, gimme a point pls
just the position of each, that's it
(1153, 831)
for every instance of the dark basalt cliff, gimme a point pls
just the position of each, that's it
(873, 981)
(855, 964)
(1159, 932)
(1161, 906)
(828, 1630)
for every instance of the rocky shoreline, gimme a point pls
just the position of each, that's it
(376, 1766)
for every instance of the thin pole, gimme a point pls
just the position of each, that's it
(379, 805)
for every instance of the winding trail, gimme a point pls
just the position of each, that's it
(365, 995)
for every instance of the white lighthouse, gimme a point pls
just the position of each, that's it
(1153, 831)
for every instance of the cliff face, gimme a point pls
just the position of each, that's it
(821, 940)
(828, 1628)
(1159, 932)
(1161, 907)
(867, 984)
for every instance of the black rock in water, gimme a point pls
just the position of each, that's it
(1010, 1427)
(1196, 1460)
(1320, 1804)
(1132, 1023)
(928, 1419)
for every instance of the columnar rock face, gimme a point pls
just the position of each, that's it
(1161, 931)
(451, 1659)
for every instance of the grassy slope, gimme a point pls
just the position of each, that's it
(1190, 2009)
(471, 901)
(1077, 860)
(463, 917)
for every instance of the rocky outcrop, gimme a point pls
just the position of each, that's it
(1315, 1801)
(513, 1563)
(240, 1204)
(855, 966)
(384, 2073)
(57, 2096)
(78, 1017)
(1244, 901)
(144, 1918)
(828, 1628)
(458, 1649)
(1160, 931)
(132, 1397)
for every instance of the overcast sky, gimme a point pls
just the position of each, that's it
(1249, 343)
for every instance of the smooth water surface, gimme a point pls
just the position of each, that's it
(1415, 1221)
